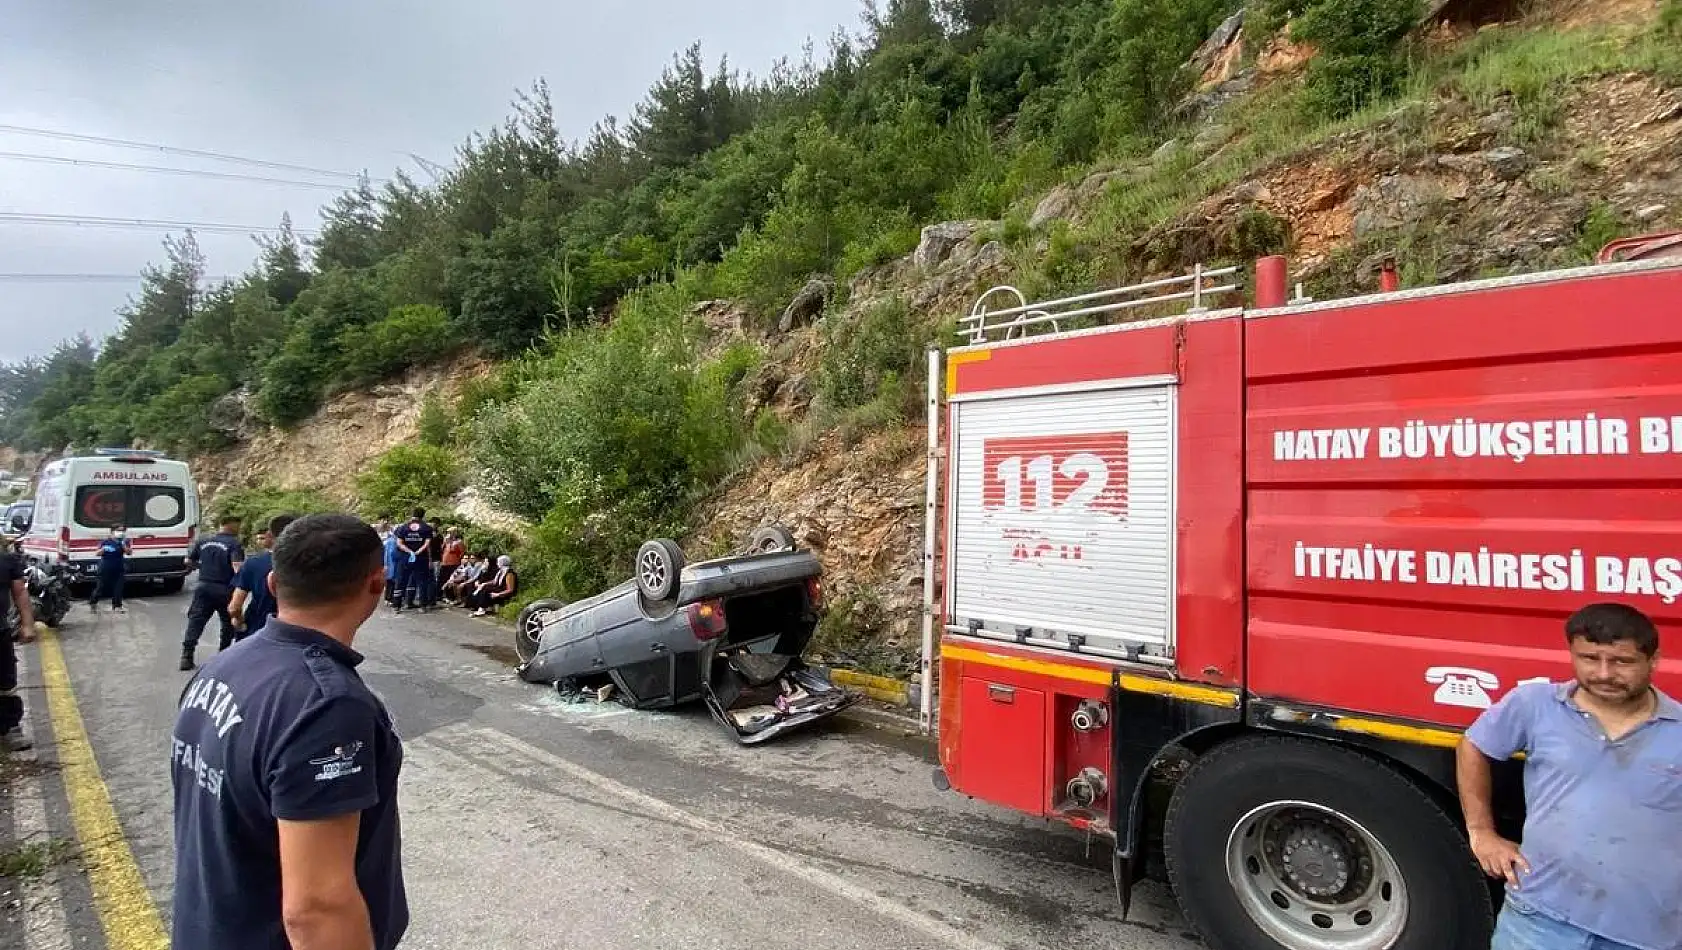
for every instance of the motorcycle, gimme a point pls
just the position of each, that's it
(49, 594)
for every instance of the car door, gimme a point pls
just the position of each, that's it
(637, 651)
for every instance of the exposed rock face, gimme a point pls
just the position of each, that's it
(1508, 162)
(807, 305)
(1053, 207)
(859, 509)
(1215, 60)
(1394, 201)
(721, 317)
(326, 451)
(232, 415)
(1067, 202)
(941, 240)
(471, 504)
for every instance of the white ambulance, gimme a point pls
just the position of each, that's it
(78, 500)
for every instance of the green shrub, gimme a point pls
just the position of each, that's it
(770, 432)
(1259, 233)
(178, 417)
(1599, 227)
(292, 388)
(892, 237)
(1360, 61)
(1356, 27)
(406, 337)
(851, 632)
(863, 357)
(610, 437)
(255, 506)
(407, 477)
(436, 425)
(1339, 86)
(485, 540)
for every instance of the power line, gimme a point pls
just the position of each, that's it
(173, 150)
(161, 170)
(140, 224)
(86, 278)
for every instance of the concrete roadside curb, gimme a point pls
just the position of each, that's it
(880, 688)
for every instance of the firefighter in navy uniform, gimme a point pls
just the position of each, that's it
(285, 767)
(217, 559)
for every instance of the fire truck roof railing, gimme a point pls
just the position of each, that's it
(986, 326)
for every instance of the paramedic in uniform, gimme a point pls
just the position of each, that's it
(217, 559)
(284, 766)
(1600, 867)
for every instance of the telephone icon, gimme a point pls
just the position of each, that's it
(1462, 687)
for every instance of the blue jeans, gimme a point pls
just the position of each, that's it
(1520, 928)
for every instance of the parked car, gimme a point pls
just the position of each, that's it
(728, 632)
(15, 521)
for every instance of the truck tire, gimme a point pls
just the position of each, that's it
(1274, 842)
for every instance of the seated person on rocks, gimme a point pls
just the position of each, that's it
(460, 581)
(494, 590)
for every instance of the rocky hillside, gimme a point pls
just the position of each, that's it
(325, 452)
(1437, 182)
(1528, 135)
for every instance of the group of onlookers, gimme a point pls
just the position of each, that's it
(424, 570)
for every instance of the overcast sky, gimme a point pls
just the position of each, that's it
(328, 84)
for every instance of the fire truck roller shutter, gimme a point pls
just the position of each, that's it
(1062, 513)
(1275, 842)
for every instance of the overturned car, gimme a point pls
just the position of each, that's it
(729, 632)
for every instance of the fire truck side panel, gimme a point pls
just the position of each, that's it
(1435, 482)
(1005, 682)
(1210, 504)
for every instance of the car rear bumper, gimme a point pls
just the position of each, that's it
(138, 569)
(753, 725)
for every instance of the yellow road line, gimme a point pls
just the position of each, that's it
(126, 911)
(1204, 695)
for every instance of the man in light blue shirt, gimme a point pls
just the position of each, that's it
(392, 597)
(1600, 867)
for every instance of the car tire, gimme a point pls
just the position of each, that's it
(659, 569)
(1405, 878)
(528, 627)
(771, 539)
(173, 585)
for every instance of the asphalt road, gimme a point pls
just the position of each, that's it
(531, 822)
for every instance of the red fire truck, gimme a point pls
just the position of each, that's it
(1225, 586)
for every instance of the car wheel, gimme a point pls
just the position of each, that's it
(659, 564)
(528, 628)
(771, 539)
(173, 585)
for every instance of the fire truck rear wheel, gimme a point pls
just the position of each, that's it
(1274, 842)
